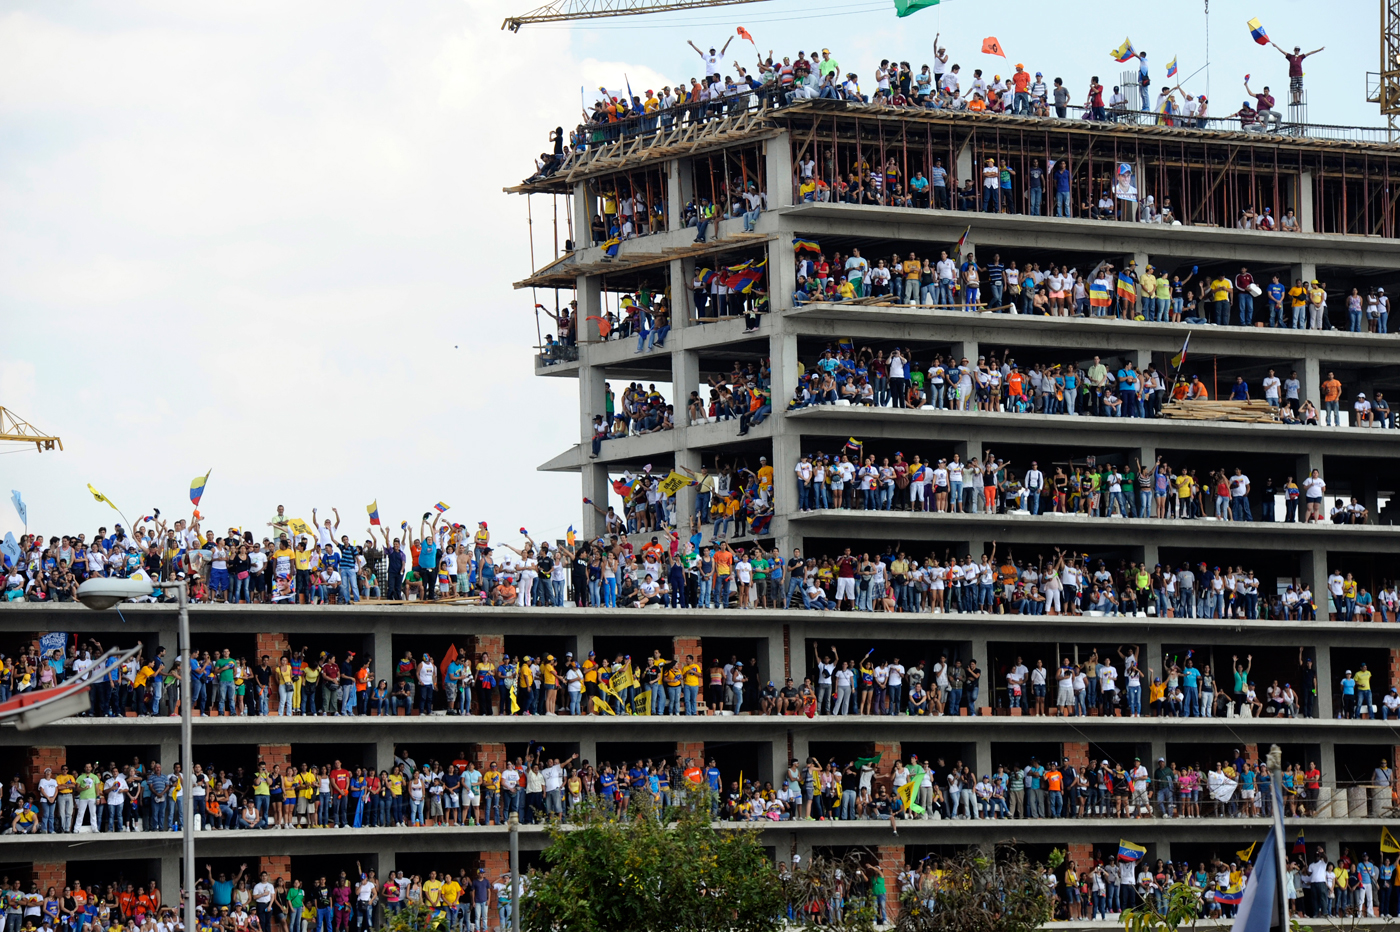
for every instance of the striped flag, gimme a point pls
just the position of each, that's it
(441, 507)
(1127, 289)
(805, 244)
(1233, 898)
(1099, 296)
(1256, 30)
(1127, 851)
(1171, 67)
(1180, 357)
(1124, 51)
(373, 509)
(197, 486)
(962, 240)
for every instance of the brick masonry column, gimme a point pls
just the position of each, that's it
(496, 864)
(1081, 856)
(1076, 754)
(695, 750)
(273, 645)
(889, 753)
(492, 644)
(891, 863)
(275, 755)
(1251, 754)
(484, 754)
(41, 757)
(276, 865)
(688, 645)
(50, 874)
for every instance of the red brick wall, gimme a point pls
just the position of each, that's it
(687, 645)
(889, 753)
(891, 858)
(1076, 754)
(496, 863)
(695, 750)
(275, 755)
(787, 651)
(273, 645)
(484, 754)
(41, 757)
(50, 874)
(1251, 754)
(492, 644)
(1081, 856)
(1394, 671)
(276, 865)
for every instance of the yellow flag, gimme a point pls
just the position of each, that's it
(514, 704)
(1388, 843)
(624, 678)
(673, 483)
(300, 527)
(1248, 853)
(641, 705)
(100, 497)
(907, 792)
(602, 706)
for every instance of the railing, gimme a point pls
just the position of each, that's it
(594, 135)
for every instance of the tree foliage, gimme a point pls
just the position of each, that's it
(973, 892)
(830, 893)
(606, 874)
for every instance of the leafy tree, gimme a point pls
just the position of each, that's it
(974, 892)
(606, 874)
(1183, 904)
(831, 893)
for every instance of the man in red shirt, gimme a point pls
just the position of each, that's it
(846, 579)
(1243, 281)
(1295, 70)
(340, 795)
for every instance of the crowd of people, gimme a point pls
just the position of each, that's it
(245, 902)
(1152, 294)
(726, 571)
(784, 80)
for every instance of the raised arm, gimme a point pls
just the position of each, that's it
(336, 512)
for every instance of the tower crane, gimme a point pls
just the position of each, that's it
(563, 10)
(14, 428)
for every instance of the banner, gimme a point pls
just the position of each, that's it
(673, 483)
(54, 640)
(20, 507)
(11, 549)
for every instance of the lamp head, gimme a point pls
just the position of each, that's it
(104, 593)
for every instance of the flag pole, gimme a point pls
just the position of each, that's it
(1275, 760)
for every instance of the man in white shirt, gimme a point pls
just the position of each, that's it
(895, 686)
(1239, 497)
(263, 893)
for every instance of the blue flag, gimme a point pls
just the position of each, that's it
(1260, 899)
(20, 507)
(11, 549)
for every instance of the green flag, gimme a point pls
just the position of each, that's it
(905, 7)
(862, 761)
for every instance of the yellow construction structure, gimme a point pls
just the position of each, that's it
(16, 429)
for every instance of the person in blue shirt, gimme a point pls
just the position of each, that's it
(1062, 200)
(1128, 391)
(607, 783)
(1348, 696)
(1276, 292)
(1190, 688)
(1240, 390)
(428, 555)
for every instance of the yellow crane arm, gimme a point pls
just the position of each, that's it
(562, 10)
(16, 428)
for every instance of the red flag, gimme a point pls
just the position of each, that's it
(447, 658)
(990, 46)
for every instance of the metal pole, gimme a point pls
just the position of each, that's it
(1275, 762)
(186, 757)
(514, 828)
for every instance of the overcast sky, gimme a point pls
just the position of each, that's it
(270, 238)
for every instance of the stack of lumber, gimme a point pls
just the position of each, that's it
(1251, 412)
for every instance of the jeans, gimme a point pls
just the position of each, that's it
(1134, 700)
(349, 591)
(1246, 309)
(1062, 204)
(1037, 197)
(225, 703)
(1239, 508)
(690, 695)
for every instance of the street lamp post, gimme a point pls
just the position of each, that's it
(103, 594)
(513, 827)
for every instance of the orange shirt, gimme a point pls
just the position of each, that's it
(1331, 390)
(1199, 390)
(1021, 80)
(724, 562)
(1056, 780)
(1014, 381)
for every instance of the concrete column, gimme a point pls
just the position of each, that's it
(170, 884)
(384, 754)
(382, 651)
(982, 758)
(675, 200)
(775, 662)
(682, 272)
(169, 754)
(1313, 571)
(1323, 665)
(1310, 375)
(588, 749)
(685, 378)
(385, 862)
(773, 765)
(782, 183)
(583, 644)
(965, 170)
(986, 690)
(1307, 271)
(1140, 261)
(782, 275)
(787, 442)
(966, 349)
(1304, 203)
(583, 215)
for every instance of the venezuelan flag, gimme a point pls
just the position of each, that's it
(1127, 851)
(441, 507)
(1124, 51)
(569, 536)
(1180, 357)
(1256, 29)
(373, 509)
(1233, 898)
(962, 240)
(1171, 67)
(803, 244)
(706, 276)
(853, 444)
(197, 486)
(1099, 296)
(1126, 289)
(1299, 845)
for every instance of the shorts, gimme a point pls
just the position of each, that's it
(1039, 690)
(1296, 83)
(303, 805)
(218, 578)
(473, 800)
